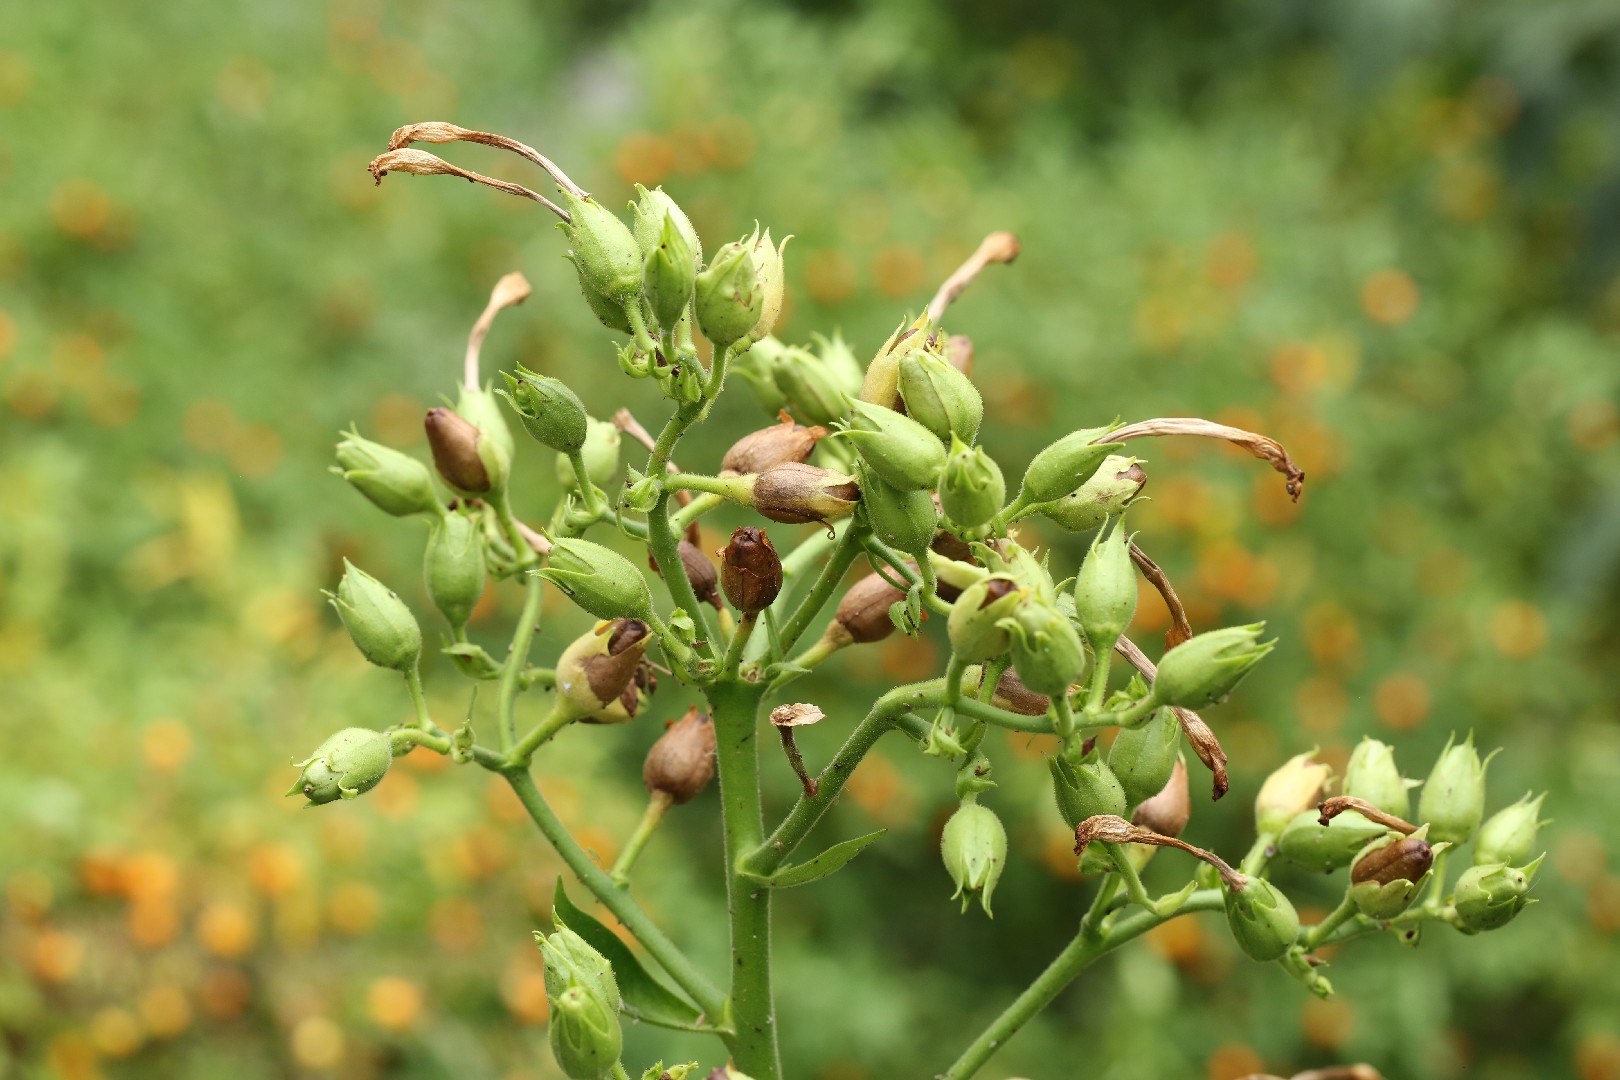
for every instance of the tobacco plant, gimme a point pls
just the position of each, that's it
(876, 463)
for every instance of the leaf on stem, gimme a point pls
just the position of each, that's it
(644, 996)
(828, 862)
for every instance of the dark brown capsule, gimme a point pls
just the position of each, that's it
(796, 494)
(454, 442)
(750, 572)
(1013, 695)
(609, 674)
(863, 614)
(1408, 858)
(769, 447)
(681, 763)
(1167, 812)
(699, 571)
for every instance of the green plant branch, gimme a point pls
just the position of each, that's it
(516, 659)
(540, 734)
(845, 550)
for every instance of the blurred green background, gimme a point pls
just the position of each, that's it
(1387, 233)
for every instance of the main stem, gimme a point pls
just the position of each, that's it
(751, 1013)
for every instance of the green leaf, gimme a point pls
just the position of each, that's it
(644, 997)
(472, 661)
(827, 862)
(779, 675)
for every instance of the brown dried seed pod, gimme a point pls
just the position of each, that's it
(1169, 810)
(863, 614)
(700, 572)
(797, 494)
(769, 447)
(681, 763)
(1408, 858)
(750, 572)
(454, 442)
(1013, 695)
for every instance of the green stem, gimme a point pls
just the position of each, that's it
(738, 489)
(1098, 688)
(751, 1014)
(739, 641)
(541, 733)
(413, 682)
(516, 659)
(1314, 935)
(1079, 954)
(665, 544)
(656, 806)
(1437, 884)
(543, 677)
(400, 739)
(626, 910)
(638, 329)
(832, 574)
(695, 509)
(618, 1071)
(1259, 854)
(587, 490)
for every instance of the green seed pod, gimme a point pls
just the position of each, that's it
(1046, 648)
(1488, 897)
(670, 275)
(346, 765)
(971, 489)
(1114, 486)
(974, 847)
(453, 567)
(395, 482)
(770, 277)
(649, 211)
(610, 313)
(1372, 776)
(1509, 835)
(1065, 465)
(796, 494)
(1293, 787)
(1263, 922)
(1203, 670)
(598, 579)
(898, 449)
(550, 411)
(1453, 799)
(1389, 875)
(1306, 841)
(905, 520)
(601, 453)
(939, 397)
(479, 408)
(571, 961)
(1085, 789)
(975, 626)
(604, 250)
(812, 390)
(1144, 757)
(379, 623)
(729, 301)
(584, 1032)
(1105, 589)
(596, 674)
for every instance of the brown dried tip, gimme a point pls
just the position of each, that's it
(798, 494)
(766, 448)
(681, 763)
(1332, 808)
(1012, 695)
(612, 675)
(801, 714)
(1406, 859)
(1180, 628)
(750, 571)
(1203, 740)
(862, 615)
(1109, 829)
(1263, 447)
(786, 718)
(998, 247)
(454, 442)
(423, 163)
(1168, 812)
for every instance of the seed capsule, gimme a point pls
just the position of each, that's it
(1388, 876)
(1143, 758)
(379, 623)
(598, 579)
(1510, 834)
(1168, 811)
(395, 482)
(862, 615)
(772, 446)
(1085, 789)
(597, 675)
(348, 764)
(1262, 920)
(974, 625)
(974, 847)
(453, 567)
(796, 494)
(1115, 485)
(681, 763)
(750, 571)
(1453, 798)
(549, 410)
(1488, 897)
(1372, 774)
(1204, 669)
(455, 444)
(1294, 787)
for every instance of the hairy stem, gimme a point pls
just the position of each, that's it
(516, 659)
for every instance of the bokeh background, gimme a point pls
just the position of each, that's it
(1386, 232)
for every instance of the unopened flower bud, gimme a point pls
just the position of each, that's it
(596, 673)
(1085, 789)
(1167, 811)
(381, 626)
(1203, 670)
(971, 489)
(1388, 876)
(1113, 487)
(598, 579)
(750, 571)
(1509, 835)
(601, 454)
(905, 520)
(796, 494)
(896, 447)
(1306, 841)
(1488, 897)
(348, 764)
(670, 275)
(729, 301)
(603, 250)
(1144, 757)
(840, 359)
(862, 615)
(1294, 787)
(681, 763)
(1105, 589)
(468, 462)
(1045, 647)
(975, 624)
(395, 482)
(1453, 799)
(1372, 775)
(974, 847)
(766, 448)
(811, 389)
(550, 411)
(1262, 920)
(771, 280)
(880, 384)
(940, 398)
(453, 567)
(572, 961)
(584, 997)
(1065, 465)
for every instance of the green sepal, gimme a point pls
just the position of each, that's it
(472, 660)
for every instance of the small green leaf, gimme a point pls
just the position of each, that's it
(779, 675)
(472, 661)
(644, 997)
(827, 862)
